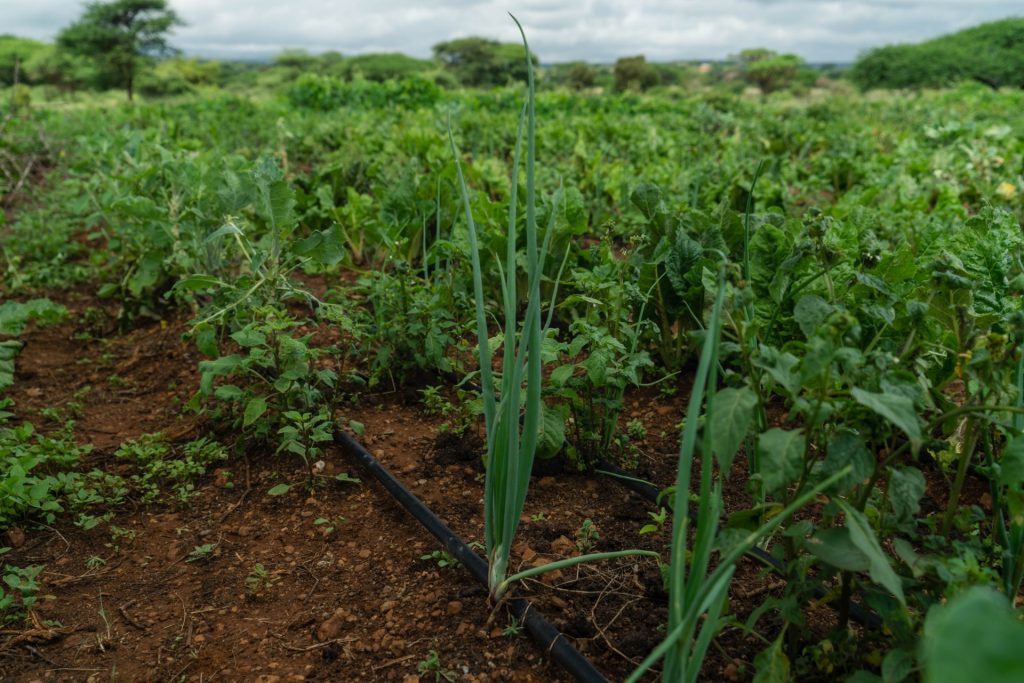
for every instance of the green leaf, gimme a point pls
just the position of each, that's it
(863, 536)
(899, 410)
(357, 427)
(551, 436)
(897, 665)
(344, 478)
(228, 392)
(836, 548)
(846, 447)
(975, 637)
(561, 374)
(254, 410)
(772, 665)
(205, 337)
(279, 490)
(1011, 466)
(781, 366)
(781, 455)
(731, 415)
(248, 337)
(810, 311)
(906, 486)
(196, 282)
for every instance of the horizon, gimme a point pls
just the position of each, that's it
(596, 31)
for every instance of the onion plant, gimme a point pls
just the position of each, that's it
(696, 595)
(513, 408)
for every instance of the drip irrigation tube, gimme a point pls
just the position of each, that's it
(540, 629)
(651, 493)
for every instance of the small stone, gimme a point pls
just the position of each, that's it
(562, 546)
(16, 537)
(330, 629)
(546, 482)
(387, 605)
(363, 554)
(454, 607)
(198, 638)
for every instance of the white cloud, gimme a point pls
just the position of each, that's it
(559, 30)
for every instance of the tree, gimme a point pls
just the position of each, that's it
(14, 53)
(634, 73)
(581, 76)
(769, 70)
(120, 35)
(481, 62)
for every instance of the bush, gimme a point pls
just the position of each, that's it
(991, 53)
(326, 93)
(634, 73)
(177, 76)
(385, 66)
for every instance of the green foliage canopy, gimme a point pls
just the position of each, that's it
(635, 73)
(991, 53)
(118, 35)
(480, 62)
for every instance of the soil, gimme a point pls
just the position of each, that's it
(128, 601)
(356, 597)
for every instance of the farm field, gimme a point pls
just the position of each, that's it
(796, 318)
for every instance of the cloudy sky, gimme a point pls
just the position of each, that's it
(559, 30)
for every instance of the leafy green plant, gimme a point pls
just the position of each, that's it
(442, 558)
(432, 669)
(258, 581)
(19, 593)
(164, 468)
(201, 553)
(587, 536)
(510, 447)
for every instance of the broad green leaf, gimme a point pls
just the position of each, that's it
(279, 490)
(228, 392)
(974, 637)
(254, 410)
(781, 366)
(810, 311)
(781, 455)
(551, 435)
(863, 536)
(846, 447)
(561, 374)
(899, 410)
(836, 548)
(248, 337)
(205, 337)
(906, 486)
(731, 414)
(772, 665)
(897, 665)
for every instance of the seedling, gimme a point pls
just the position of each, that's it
(587, 536)
(201, 553)
(443, 558)
(431, 669)
(258, 581)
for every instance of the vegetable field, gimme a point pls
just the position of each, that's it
(725, 386)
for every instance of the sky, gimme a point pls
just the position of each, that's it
(559, 30)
